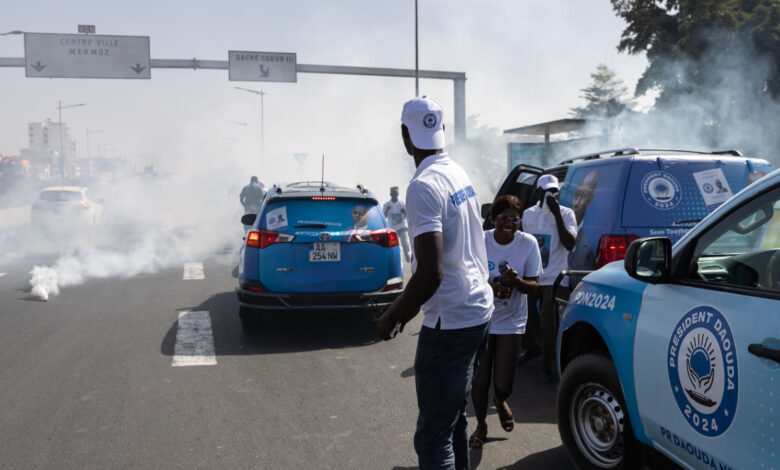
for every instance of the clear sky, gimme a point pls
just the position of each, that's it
(525, 61)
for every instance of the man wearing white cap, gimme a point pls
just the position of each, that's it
(450, 283)
(555, 227)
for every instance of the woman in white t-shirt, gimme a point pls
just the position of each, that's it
(515, 265)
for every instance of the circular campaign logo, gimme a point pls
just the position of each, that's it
(491, 265)
(429, 120)
(661, 190)
(703, 373)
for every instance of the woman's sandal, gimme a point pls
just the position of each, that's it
(504, 415)
(479, 436)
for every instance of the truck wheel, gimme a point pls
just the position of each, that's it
(592, 416)
(250, 319)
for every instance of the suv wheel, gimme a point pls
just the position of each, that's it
(592, 416)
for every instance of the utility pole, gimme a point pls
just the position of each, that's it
(416, 55)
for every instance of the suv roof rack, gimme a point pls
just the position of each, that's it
(614, 152)
(735, 153)
(637, 151)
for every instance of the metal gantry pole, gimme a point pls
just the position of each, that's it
(416, 55)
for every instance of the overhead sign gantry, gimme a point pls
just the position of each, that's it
(50, 55)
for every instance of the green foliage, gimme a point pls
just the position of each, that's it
(605, 96)
(678, 35)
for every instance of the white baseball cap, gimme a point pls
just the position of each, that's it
(547, 182)
(423, 117)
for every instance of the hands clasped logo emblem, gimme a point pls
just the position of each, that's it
(703, 373)
(429, 120)
(661, 190)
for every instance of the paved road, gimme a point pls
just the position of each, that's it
(87, 381)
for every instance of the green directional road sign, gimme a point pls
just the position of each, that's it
(86, 56)
(248, 66)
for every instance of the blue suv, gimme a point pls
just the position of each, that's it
(315, 245)
(624, 194)
(677, 349)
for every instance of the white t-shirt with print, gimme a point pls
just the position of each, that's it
(522, 254)
(541, 224)
(395, 213)
(440, 198)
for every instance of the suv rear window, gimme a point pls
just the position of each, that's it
(307, 216)
(60, 196)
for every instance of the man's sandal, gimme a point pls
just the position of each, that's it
(504, 415)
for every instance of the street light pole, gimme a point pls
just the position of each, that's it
(416, 55)
(60, 107)
(262, 138)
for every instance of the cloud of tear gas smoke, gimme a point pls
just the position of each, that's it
(149, 223)
(719, 102)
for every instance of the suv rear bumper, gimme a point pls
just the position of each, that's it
(316, 300)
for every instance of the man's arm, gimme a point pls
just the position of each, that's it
(428, 248)
(567, 238)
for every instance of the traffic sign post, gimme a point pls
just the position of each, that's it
(79, 56)
(248, 66)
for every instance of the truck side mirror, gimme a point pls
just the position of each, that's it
(650, 260)
(248, 219)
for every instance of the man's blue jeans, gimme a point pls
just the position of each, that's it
(444, 368)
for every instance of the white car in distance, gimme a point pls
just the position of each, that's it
(66, 206)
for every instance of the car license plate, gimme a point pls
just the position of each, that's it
(325, 252)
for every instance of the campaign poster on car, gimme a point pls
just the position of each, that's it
(276, 219)
(544, 240)
(713, 187)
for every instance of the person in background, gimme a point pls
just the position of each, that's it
(449, 281)
(252, 196)
(515, 265)
(395, 213)
(558, 226)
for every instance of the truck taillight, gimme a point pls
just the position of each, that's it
(385, 237)
(612, 248)
(264, 238)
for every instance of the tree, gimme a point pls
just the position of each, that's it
(677, 35)
(604, 97)
(715, 65)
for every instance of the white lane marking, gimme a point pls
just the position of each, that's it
(194, 340)
(193, 271)
(3, 274)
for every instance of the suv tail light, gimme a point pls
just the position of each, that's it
(612, 248)
(385, 237)
(394, 283)
(264, 238)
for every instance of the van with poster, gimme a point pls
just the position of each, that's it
(621, 195)
(674, 353)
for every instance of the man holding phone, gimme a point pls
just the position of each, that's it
(449, 281)
(555, 227)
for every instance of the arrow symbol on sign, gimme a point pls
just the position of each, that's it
(38, 67)
(138, 68)
(264, 71)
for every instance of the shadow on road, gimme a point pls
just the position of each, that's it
(285, 332)
(551, 458)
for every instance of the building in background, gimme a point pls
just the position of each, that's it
(546, 144)
(43, 149)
